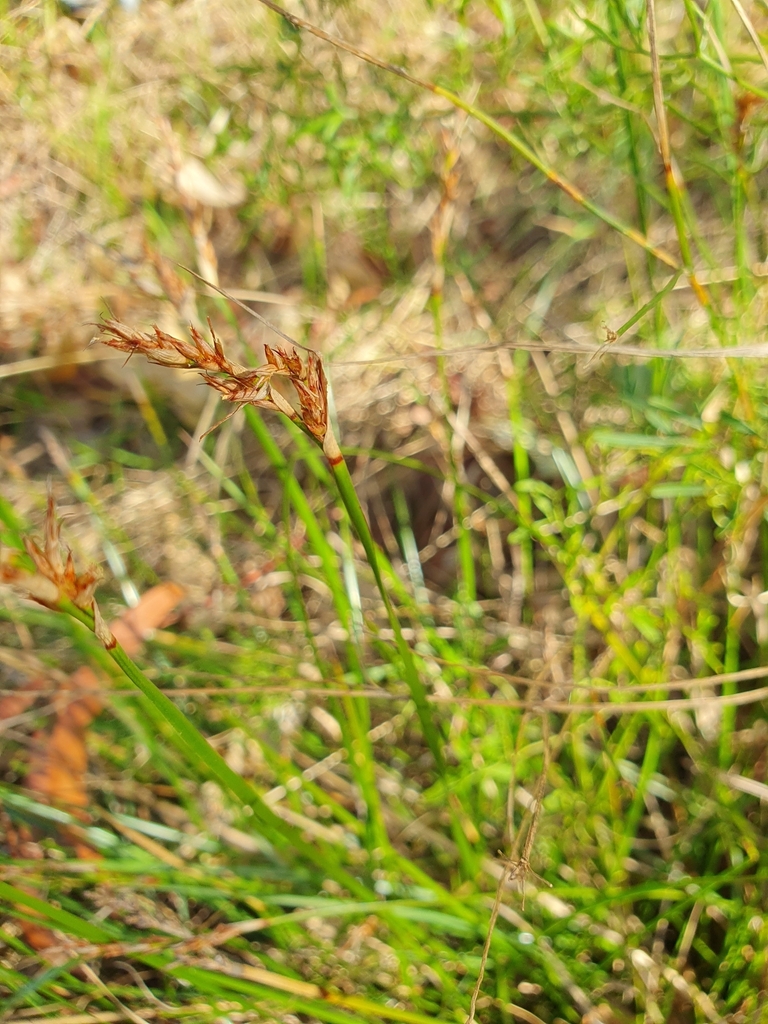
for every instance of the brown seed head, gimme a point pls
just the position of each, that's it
(55, 576)
(235, 383)
(167, 350)
(310, 384)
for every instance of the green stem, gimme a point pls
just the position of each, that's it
(418, 692)
(461, 507)
(730, 664)
(298, 499)
(653, 750)
(355, 720)
(515, 386)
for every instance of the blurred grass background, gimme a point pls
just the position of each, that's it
(559, 528)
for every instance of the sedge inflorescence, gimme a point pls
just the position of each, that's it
(235, 383)
(54, 579)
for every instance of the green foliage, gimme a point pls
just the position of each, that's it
(609, 553)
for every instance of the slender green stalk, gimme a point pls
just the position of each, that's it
(632, 816)
(652, 303)
(355, 720)
(515, 378)
(411, 551)
(674, 190)
(635, 163)
(461, 507)
(299, 501)
(348, 495)
(730, 664)
(731, 136)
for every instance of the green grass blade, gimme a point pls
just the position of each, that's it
(415, 685)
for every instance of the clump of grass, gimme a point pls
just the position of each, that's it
(600, 683)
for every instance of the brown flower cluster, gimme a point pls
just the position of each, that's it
(235, 383)
(55, 578)
(310, 384)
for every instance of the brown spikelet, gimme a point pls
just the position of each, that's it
(235, 383)
(310, 384)
(55, 576)
(167, 350)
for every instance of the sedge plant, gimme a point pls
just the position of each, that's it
(255, 388)
(50, 578)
